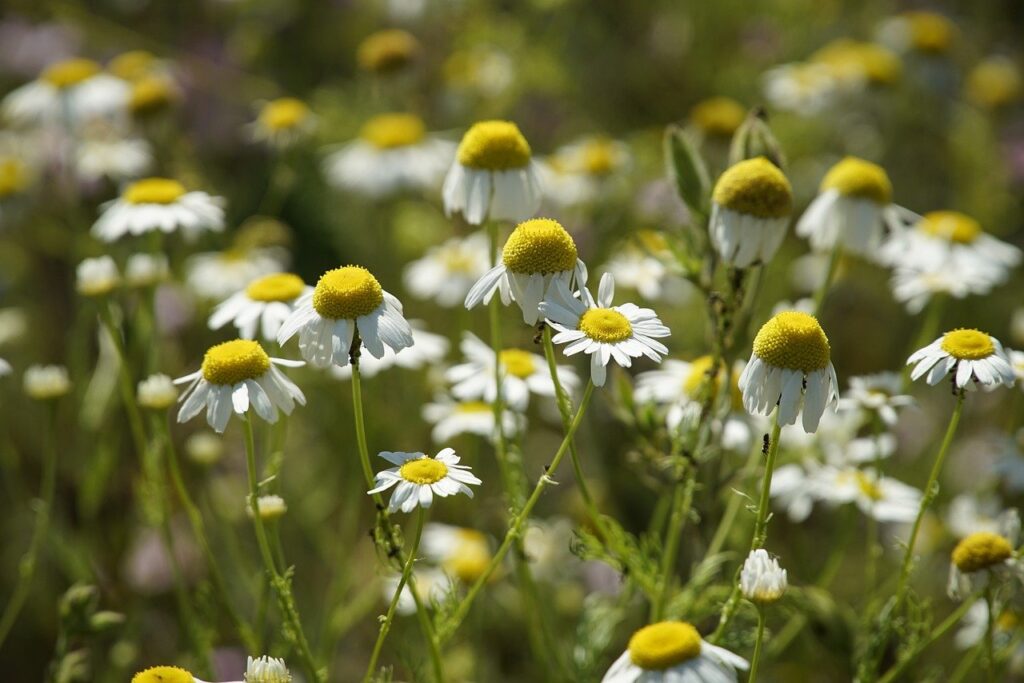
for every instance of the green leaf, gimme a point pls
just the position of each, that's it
(687, 170)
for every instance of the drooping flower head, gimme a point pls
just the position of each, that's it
(751, 206)
(984, 556)
(975, 358)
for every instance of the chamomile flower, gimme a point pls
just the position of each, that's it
(76, 89)
(160, 204)
(346, 301)
(717, 117)
(790, 367)
(855, 64)
(968, 513)
(219, 274)
(447, 272)
(283, 122)
(156, 392)
(266, 670)
(392, 153)
(46, 382)
(1016, 359)
(582, 171)
(462, 553)
(452, 418)
(995, 82)
(673, 652)
(653, 277)
(417, 478)
(762, 580)
(985, 556)
(883, 498)
(493, 177)
(975, 358)
(921, 31)
(879, 394)
(432, 585)
(387, 51)
(805, 89)
(914, 287)
(751, 207)
(146, 270)
(684, 385)
(523, 373)
(111, 155)
(427, 350)
(165, 674)
(602, 331)
(97, 276)
(235, 376)
(264, 304)
(271, 507)
(537, 255)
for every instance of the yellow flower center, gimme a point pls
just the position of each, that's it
(663, 645)
(163, 674)
(994, 83)
(284, 113)
(423, 471)
(755, 187)
(868, 486)
(599, 157)
(517, 363)
(386, 51)
(494, 146)
(153, 191)
(930, 32)
(348, 293)
(276, 287)
(388, 131)
(132, 65)
(70, 72)
(855, 177)
(150, 93)
(471, 556)
(1007, 621)
(457, 259)
(981, 550)
(719, 116)
(794, 341)
(473, 407)
(235, 361)
(605, 325)
(952, 225)
(13, 177)
(697, 379)
(852, 58)
(968, 344)
(539, 245)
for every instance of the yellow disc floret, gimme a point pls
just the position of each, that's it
(284, 113)
(235, 361)
(163, 674)
(600, 157)
(719, 116)
(794, 341)
(70, 72)
(13, 177)
(853, 177)
(473, 407)
(517, 363)
(387, 131)
(605, 325)
(994, 82)
(968, 344)
(494, 146)
(348, 292)
(930, 32)
(153, 191)
(539, 245)
(952, 225)
(663, 645)
(981, 550)
(697, 380)
(423, 471)
(386, 51)
(132, 65)
(151, 93)
(755, 187)
(847, 58)
(276, 287)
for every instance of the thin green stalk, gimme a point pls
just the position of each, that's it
(758, 640)
(989, 640)
(833, 263)
(498, 405)
(125, 380)
(733, 506)
(682, 499)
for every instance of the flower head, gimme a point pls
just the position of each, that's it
(417, 478)
(46, 382)
(984, 556)
(387, 51)
(266, 670)
(283, 121)
(157, 392)
(718, 116)
(164, 674)
(751, 205)
(762, 580)
(97, 276)
(264, 304)
(975, 358)
(159, 204)
(671, 651)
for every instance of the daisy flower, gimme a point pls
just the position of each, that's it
(152, 94)
(146, 270)
(974, 357)
(914, 287)
(673, 652)
(76, 88)
(346, 301)
(806, 89)
(447, 272)
(717, 117)
(45, 382)
(271, 507)
(922, 31)
(113, 156)
(879, 394)
(682, 385)
(97, 276)
(462, 553)
(762, 580)
(790, 367)
(538, 254)
(968, 513)
(654, 278)
(265, 304)
(580, 172)
(417, 478)
(393, 153)
(283, 122)
(432, 586)
(266, 670)
(986, 555)
(452, 418)
(523, 373)
(1016, 359)
(156, 392)
(217, 275)
(235, 376)
(883, 498)
(387, 51)
(159, 204)
(750, 210)
(994, 82)
(493, 176)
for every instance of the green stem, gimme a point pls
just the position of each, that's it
(125, 380)
(833, 263)
(759, 638)
(989, 641)
(682, 499)
(733, 506)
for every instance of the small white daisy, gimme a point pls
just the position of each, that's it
(462, 553)
(417, 478)
(582, 171)
(883, 498)
(447, 272)
(683, 387)
(146, 270)
(762, 580)
(806, 89)
(111, 155)
(968, 513)
(914, 287)
(266, 670)
(264, 304)
(217, 275)
(975, 358)
(427, 350)
(271, 507)
(45, 382)
(432, 585)
(159, 204)
(97, 276)
(654, 278)
(673, 652)
(75, 89)
(984, 556)
(879, 394)
(283, 122)
(157, 392)
(750, 211)
(452, 418)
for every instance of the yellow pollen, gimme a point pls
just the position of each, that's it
(868, 486)
(494, 146)
(855, 177)
(13, 177)
(539, 245)
(517, 363)
(347, 292)
(70, 72)
(457, 259)
(697, 380)
(849, 57)
(755, 187)
(794, 341)
(981, 550)
(968, 344)
(599, 157)
(652, 240)
(276, 287)
(470, 557)
(663, 645)
(472, 407)
(284, 113)
(930, 32)
(150, 93)
(235, 361)
(153, 191)
(719, 116)
(605, 325)
(132, 65)
(163, 674)
(994, 82)
(387, 131)
(423, 471)
(387, 51)
(952, 225)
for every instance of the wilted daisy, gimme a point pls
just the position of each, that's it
(452, 418)
(387, 51)
(523, 373)
(219, 274)
(427, 350)
(283, 122)
(266, 670)
(345, 301)
(493, 177)
(157, 392)
(417, 478)
(97, 276)
(159, 204)
(76, 89)
(447, 272)
(975, 358)
(762, 580)
(750, 211)
(393, 152)
(235, 376)
(146, 270)
(673, 652)
(264, 304)
(879, 394)
(985, 555)
(45, 382)
(791, 368)
(462, 553)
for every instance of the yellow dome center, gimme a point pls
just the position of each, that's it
(423, 471)
(599, 157)
(605, 325)
(153, 191)
(539, 245)
(13, 177)
(348, 293)
(755, 187)
(994, 83)
(697, 379)
(868, 486)
(386, 51)
(855, 177)
(663, 645)
(473, 407)
(846, 58)
(388, 131)
(132, 65)
(981, 550)
(968, 344)
(235, 361)
(163, 674)
(951, 225)
(70, 72)
(494, 146)
(930, 32)
(794, 341)
(471, 556)
(150, 93)
(284, 113)
(458, 259)
(517, 363)
(719, 116)
(276, 287)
